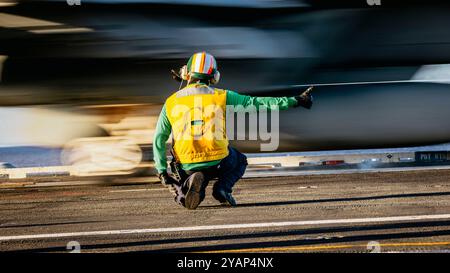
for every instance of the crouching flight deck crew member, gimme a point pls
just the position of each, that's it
(196, 158)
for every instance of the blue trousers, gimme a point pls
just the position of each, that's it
(228, 171)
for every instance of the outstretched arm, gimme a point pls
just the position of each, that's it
(282, 103)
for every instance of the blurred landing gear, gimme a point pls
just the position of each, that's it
(102, 156)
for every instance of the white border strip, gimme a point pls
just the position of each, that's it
(231, 226)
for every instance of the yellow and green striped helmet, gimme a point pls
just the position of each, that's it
(202, 66)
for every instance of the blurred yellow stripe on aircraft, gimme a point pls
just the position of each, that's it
(15, 21)
(37, 26)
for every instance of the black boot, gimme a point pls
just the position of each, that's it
(224, 197)
(195, 192)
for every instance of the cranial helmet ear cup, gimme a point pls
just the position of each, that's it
(216, 77)
(184, 74)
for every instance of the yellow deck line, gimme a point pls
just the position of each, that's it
(329, 247)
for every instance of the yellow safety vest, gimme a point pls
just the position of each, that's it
(197, 116)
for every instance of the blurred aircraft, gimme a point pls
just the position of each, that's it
(121, 52)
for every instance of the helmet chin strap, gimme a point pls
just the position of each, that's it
(181, 83)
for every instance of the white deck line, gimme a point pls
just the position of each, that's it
(222, 227)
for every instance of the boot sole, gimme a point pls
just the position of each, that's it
(192, 198)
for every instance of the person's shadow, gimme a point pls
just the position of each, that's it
(348, 199)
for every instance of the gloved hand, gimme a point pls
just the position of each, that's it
(174, 187)
(305, 99)
(166, 179)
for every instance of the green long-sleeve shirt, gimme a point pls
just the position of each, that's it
(163, 127)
